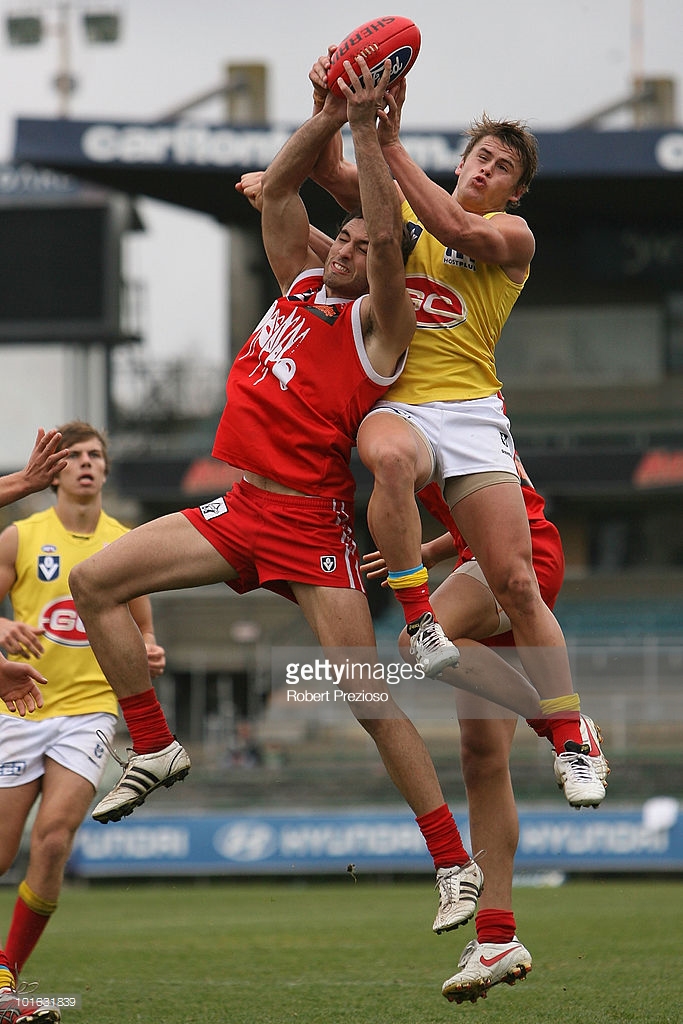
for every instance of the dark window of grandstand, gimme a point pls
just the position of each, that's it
(52, 264)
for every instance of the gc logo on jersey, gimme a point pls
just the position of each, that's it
(48, 568)
(436, 305)
(62, 624)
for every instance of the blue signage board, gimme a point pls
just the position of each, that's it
(381, 841)
(182, 145)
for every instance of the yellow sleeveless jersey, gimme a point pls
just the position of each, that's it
(461, 309)
(46, 554)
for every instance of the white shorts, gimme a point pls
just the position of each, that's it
(473, 569)
(70, 740)
(465, 438)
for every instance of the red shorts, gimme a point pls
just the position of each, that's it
(271, 539)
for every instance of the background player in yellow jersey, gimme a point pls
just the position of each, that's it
(57, 753)
(19, 682)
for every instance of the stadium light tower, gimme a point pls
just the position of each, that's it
(27, 28)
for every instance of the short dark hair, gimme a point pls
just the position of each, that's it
(76, 431)
(407, 240)
(515, 135)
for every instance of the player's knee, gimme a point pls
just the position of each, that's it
(53, 845)
(517, 589)
(390, 456)
(391, 467)
(84, 586)
(484, 751)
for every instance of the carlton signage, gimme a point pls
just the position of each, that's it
(68, 143)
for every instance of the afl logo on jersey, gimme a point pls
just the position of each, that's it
(436, 306)
(62, 624)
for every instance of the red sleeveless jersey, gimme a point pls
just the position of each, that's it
(297, 392)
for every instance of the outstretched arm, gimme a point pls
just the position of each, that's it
(506, 241)
(250, 187)
(284, 220)
(332, 171)
(45, 461)
(387, 314)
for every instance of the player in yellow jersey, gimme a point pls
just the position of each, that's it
(59, 752)
(444, 418)
(444, 421)
(19, 682)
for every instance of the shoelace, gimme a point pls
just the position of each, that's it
(25, 988)
(580, 766)
(105, 741)
(457, 870)
(431, 637)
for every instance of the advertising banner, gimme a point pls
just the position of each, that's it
(641, 839)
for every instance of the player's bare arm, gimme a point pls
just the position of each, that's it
(284, 220)
(388, 314)
(47, 459)
(488, 181)
(18, 638)
(141, 610)
(250, 186)
(332, 171)
(503, 240)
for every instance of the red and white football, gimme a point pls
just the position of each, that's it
(392, 37)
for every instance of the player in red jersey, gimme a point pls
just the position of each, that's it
(473, 619)
(296, 394)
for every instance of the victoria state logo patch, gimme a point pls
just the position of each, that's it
(48, 567)
(328, 563)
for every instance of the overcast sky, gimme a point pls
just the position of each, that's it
(550, 62)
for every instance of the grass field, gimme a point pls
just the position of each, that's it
(352, 953)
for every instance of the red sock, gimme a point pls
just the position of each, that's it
(558, 730)
(7, 979)
(26, 928)
(415, 601)
(495, 925)
(442, 838)
(146, 722)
